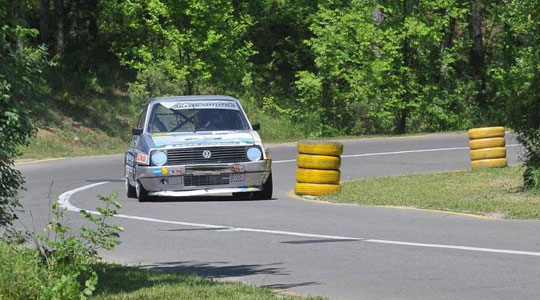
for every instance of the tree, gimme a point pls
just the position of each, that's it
(198, 45)
(20, 83)
(517, 75)
(388, 66)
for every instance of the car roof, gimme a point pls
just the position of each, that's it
(192, 98)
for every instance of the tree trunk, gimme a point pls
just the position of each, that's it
(401, 126)
(59, 12)
(448, 35)
(446, 43)
(92, 26)
(477, 61)
(190, 77)
(18, 19)
(44, 22)
(71, 18)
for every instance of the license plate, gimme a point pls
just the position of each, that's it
(238, 177)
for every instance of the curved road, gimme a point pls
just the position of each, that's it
(335, 251)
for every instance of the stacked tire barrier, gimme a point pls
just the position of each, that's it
(318, 168)
(488, 147)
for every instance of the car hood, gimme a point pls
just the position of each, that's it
(205, 139)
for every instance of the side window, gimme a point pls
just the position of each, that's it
(142, 118)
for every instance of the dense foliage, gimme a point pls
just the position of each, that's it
(192, 46)
(20, 83)
(336, 67)
(518, 73)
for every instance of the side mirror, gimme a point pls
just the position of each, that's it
(137, 131)
(256, 127)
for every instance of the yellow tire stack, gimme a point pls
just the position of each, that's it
(318, 168)
(488, 147)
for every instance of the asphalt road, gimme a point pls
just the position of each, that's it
(336, 251)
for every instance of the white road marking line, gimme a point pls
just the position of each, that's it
(395, 153)
(283, 161)
(63, 200)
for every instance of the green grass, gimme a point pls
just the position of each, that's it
(491, 192)
(274, 128)
(72, 141)
(87, 124)
(24, 276)
(123, 283)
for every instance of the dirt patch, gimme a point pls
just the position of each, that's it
(43, 133)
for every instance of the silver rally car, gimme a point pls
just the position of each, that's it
(196, 145)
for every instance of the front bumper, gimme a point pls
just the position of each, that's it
(191, 180)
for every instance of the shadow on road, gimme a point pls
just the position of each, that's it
(217, 269)
(211, 198)
(285, 286)
(205, 198)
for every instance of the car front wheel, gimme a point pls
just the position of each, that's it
(142, 193)
(131, 192)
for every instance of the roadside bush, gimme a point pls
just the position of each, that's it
(20, 82)
(531, 175)
(518, 79)
(62, 265)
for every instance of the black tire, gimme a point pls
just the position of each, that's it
(142, 193)
(131, 192)
(265, 194)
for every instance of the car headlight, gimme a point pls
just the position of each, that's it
(159, 158)
(254, 153)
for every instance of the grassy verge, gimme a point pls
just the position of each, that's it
(24, 276)
(72, 141)
(75, 125)
(491, 192)
(123, 283)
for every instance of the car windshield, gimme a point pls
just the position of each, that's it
(192, 116)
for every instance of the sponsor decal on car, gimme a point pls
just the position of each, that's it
(141, 158)
(202, 105)
(247, 189)
(159, 171)
(237, 168)
(172, 140)
(178, 171)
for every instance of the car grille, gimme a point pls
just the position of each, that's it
(195, 155)
(201, 180)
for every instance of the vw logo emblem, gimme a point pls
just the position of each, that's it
(206, 154)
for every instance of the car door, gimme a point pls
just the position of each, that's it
(130, 154)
